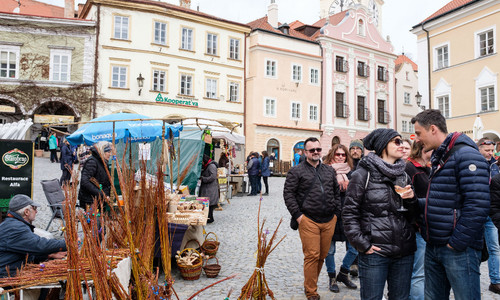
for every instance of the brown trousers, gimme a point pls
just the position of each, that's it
(316, 239)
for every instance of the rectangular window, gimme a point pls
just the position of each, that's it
(362, 109)
(234, 49)
(297, 73)
(412, 127)
(313, 113)
(382, 114)
(407, 98)
(382, 74)
(363, 69)
(270, 108)
(314, 76)
(341, 65)
(121, 28)
(119, 77)
(296, 110)
(212, 43)
(340, 106)
(487, 98)
(211, 88)
(270, 68)
(60, 65)
(187, 39)
(160, 33)
(158, 81)
(444, 105)
(442, 57)
(486, 43)
(186, 85)
(404, 126)
(8, 64)
(234, 91)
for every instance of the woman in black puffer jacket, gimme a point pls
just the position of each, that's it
(94, 182)
(373, 221)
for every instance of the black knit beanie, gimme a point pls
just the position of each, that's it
(378, 139)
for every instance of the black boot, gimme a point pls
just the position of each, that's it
(333, 284)
(354, 270)
(343, 277)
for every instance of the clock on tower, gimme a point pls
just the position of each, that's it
(339, 5)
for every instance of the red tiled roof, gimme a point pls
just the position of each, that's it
(31, 7)
(263, 24)
(333, 19)
(296, 24)
(405, 59)
(454, 4)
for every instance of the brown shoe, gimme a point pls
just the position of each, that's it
(495, 288)
(313, 298)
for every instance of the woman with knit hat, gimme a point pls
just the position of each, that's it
(339, 158)
(374, 222)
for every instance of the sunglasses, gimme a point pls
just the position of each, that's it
(340, 154)
(314, 150)
(398, 142)
(34, 208)
(487, 143)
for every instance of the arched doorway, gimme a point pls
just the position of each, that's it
(10, 111)
(273, 146)
(298, 150)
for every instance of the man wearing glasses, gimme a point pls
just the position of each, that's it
(312, 197)
(19, 243)
(456, 208)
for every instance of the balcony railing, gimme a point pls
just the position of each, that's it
(384, 117)
(342, 65)
(383, 75)
(341, 110)
(364, 114)
(363, 70)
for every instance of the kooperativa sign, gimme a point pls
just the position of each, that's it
(15, 159)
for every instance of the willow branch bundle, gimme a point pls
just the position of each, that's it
(257, 287)
(186, 169)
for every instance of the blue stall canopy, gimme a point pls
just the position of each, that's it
(128, 128)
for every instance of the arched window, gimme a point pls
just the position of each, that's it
(361, 27)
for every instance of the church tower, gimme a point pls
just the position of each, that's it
(330, 7)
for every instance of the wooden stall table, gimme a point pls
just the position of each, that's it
(239, 179)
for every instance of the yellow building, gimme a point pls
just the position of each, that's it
(459, 65)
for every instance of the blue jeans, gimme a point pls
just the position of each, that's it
(491, 237)
(254, 184)
(349, 257)
(417, 291)
(375, 270)
(446, 268)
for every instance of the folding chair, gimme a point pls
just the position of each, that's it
(55, 197)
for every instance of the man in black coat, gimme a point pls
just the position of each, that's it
(312, 196)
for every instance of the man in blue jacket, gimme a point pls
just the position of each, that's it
(19, 243)
(456, 209)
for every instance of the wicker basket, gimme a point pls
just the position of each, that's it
(212, 270)
(191, 272)
(210, 245)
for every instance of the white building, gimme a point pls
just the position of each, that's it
(406, 92)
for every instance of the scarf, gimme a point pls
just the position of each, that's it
(341, 169)
(387, 169)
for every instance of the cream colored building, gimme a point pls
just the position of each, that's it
(283, 87)
(406, 73)
(189, 62)
(463, 64)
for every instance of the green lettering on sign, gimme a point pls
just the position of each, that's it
(192, 103)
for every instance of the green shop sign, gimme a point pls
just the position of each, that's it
(167, 100)
(15, 159)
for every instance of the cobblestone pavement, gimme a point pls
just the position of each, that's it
(236, 228)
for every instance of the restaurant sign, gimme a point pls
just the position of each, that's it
(50, 119)
(167, 100)
(16, 170)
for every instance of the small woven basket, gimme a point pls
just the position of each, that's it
(192, 272)
(210, 245)
(212, 270)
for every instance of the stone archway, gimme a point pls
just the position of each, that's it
(11, 110)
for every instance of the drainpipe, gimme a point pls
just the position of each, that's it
(428, 63)
(321, 91)
(96, 61)
(245, 87)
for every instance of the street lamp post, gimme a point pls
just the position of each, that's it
(418, 100)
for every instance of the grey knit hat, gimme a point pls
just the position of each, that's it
(357, 143)
(378, 139)
(19, 201)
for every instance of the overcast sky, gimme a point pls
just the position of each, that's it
(398, 16)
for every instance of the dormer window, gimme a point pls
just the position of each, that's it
(361, 27)
(285, 28)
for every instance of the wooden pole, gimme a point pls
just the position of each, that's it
(178, 161)
(113, 161)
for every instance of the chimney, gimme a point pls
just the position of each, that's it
(272, 14)
(69, 8)
(185, 3)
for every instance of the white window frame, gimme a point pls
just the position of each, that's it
(314, 78)
(274, 69)
(411, 127)
(60, 53)
(404, 125)
(212, 43)
(270, 104)
(491, 88)
(119, 81)
(313, 108)
(211, 88)
(188, 81)
(477, 45)
(159, 86)
(160, 34)
(436, 56)
(296, 77)
(406, 98)
(438, 106)
(234, 91)
(187, 39)
(234, 48)
(486, 78)
(123, 33)
(299, 117)
(11, 49)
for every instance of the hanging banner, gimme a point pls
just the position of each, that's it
(16, 170)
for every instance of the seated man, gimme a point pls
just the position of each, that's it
(18, 240)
